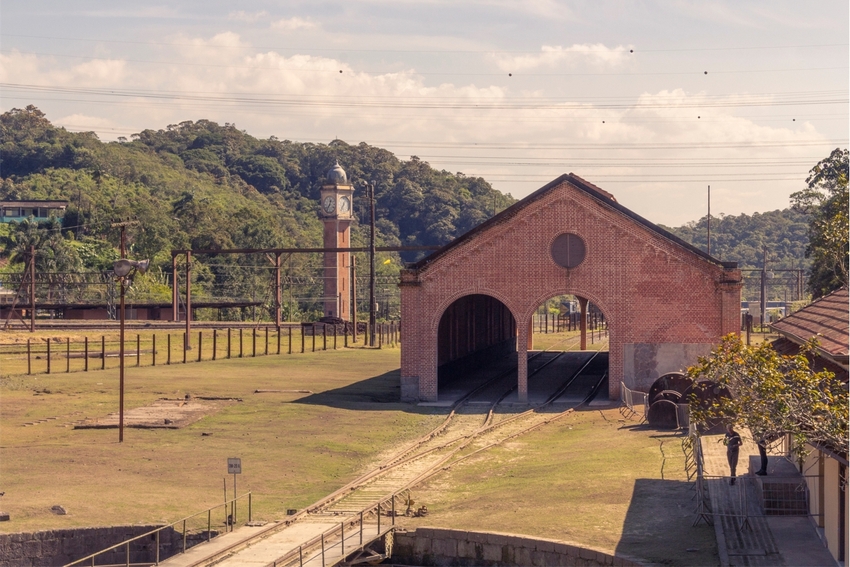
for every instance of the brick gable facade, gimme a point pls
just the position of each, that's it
(665, 301)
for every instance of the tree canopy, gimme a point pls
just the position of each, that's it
(199, 184)
(774, 394)
(825, 200)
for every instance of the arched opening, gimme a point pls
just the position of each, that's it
(571, 332)
(474, 331)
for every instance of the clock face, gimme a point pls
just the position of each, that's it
(329, 204)
(344, 204)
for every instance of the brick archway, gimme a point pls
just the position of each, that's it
(667, 301)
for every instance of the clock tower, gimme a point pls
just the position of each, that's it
(336, 209)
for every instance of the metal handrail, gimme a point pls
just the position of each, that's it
(321, 539)
(156, 532)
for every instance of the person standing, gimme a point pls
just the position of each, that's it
(762, 447)
(733, 443)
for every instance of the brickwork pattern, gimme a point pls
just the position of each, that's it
(434, 546)
(651, 289)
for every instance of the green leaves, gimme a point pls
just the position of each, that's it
(826, 200)
(775, 394)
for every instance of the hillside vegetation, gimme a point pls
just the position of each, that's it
(204, 185)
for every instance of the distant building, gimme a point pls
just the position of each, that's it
(40, 210)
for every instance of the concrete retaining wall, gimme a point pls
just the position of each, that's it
(434, 546)
(58, 547)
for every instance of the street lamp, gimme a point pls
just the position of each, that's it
(124, 270)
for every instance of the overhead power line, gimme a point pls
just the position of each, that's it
(403, 102)
(515, 74)
(447, 51)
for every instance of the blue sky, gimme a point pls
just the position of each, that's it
(652, 101)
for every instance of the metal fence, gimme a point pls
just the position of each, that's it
(200, 523)
(53, 355)
(634, 402)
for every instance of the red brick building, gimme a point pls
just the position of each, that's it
(665, 301)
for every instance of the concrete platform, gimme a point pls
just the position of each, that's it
(745, 534)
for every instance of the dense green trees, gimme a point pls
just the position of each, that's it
(204, 185)
(826, 201)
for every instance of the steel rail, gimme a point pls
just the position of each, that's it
(393, 462)
(465, 440)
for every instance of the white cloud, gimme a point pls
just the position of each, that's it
(25, 68)
(305, 98)
(552, 56)
(251, 17)
(291, 24)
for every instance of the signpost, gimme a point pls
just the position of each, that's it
(234, 467)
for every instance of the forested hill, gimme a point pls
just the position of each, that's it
(203, 185)
(743, 238)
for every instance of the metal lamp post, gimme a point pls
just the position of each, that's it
(124, 271)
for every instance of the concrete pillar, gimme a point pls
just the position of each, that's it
(522, 361)
(582, 302)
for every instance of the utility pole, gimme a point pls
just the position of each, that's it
(371, 187)
(121, 283)
(708, 240)
(763, 306)
(32, 289)
(186, 344)
(354, 297)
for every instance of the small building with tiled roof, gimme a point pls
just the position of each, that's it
(825, 470)
(828, 320)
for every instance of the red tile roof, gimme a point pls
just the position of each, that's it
(827, 318)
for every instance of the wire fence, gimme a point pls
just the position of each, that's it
(54, 355)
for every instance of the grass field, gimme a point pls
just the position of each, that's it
(295, 447)
(590, 478)
(23, 352)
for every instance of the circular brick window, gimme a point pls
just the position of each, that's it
(568, 250)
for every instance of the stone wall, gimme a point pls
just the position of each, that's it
(436, 546)
(58, 547)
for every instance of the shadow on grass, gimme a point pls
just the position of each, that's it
(658, 526)
(381, 392)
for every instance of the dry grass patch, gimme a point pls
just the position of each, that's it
(590, 478)
(295, 447)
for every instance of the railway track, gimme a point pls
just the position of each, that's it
(467, 430)
(474, 424)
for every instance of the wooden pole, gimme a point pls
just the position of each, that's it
(32, 289)
(68, 354)
(215, 343)
(175, 297)
(153, 349)
(277, 291)
(86, 347)
(187, 346)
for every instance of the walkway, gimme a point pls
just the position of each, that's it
(745, 535)
(240, 548)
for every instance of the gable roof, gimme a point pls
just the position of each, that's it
(595, 192)
(827, 319)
